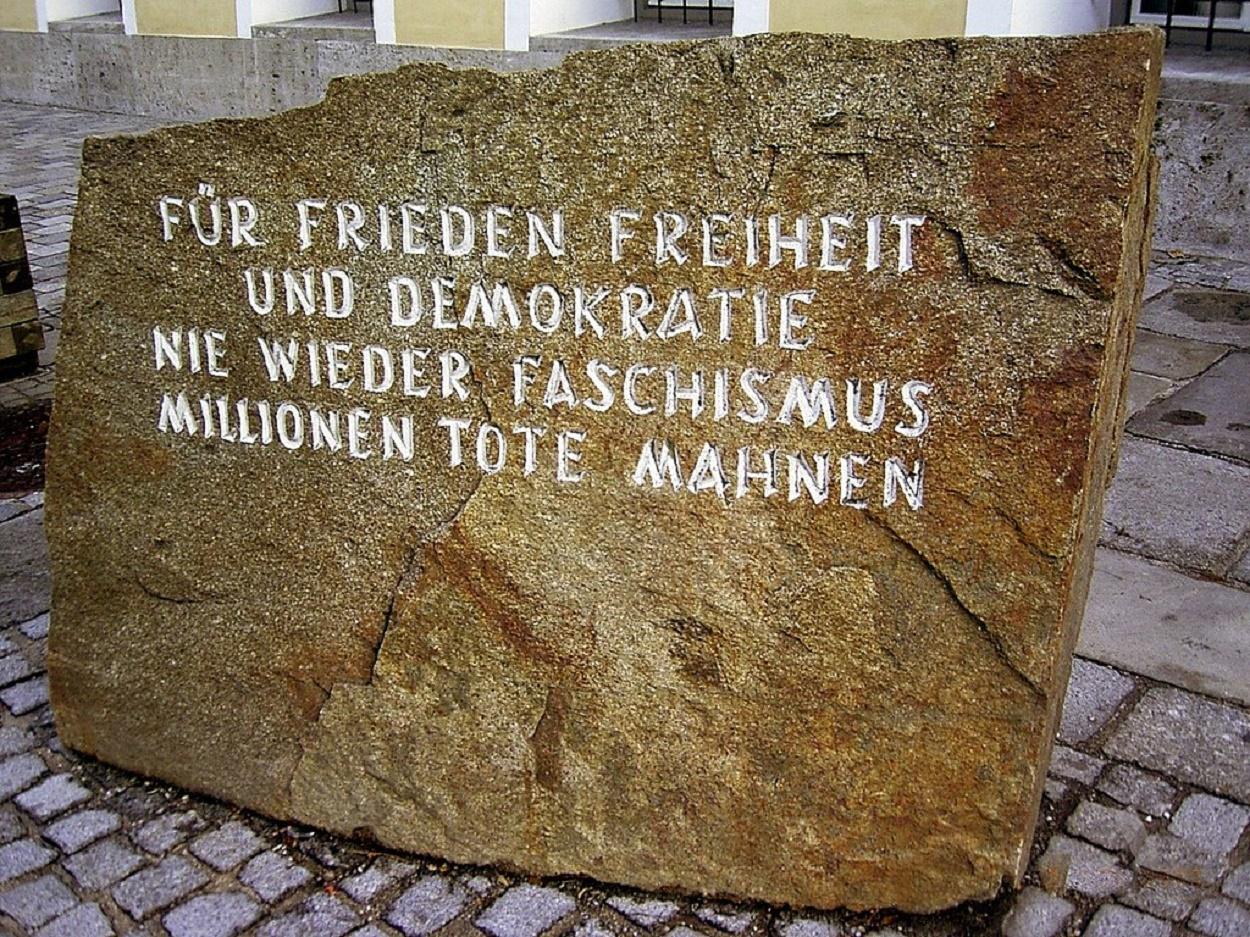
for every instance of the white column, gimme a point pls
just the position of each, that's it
(516, 25)
(129, 20)
(989, 18)
(384, 22)
(41, 15)
(750, 16)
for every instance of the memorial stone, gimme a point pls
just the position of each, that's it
(680, 468)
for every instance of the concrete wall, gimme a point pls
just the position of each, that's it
(197, 79)
(18, 14)
(554, 16)
(899, 19)
(180, 18)
(466, 24)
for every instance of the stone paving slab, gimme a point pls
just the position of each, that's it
(1154, 620)
(1174, 358)
(1211, 413)
(1202, 314)
(1180, 506)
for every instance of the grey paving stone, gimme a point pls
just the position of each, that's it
(723, 918)
(370, 930)
(1220, 917)
(273, 875)
(1136, 788)
(808, 927)
(1172, 357)
(1164, 897)
(1202, 314)
(86, 920)
(525, 911)
(1238, 883)
(163, 833)
(228, 846)
(1036, 914)
(99, 866)
(645, 912)
(1145, 389)
(25, 697)
(19, 773)
(1112, 920)
(1112, 828)
(430, 903)
(1075, 766)
(1094, 693)
(52, 796)
(1153, 620)
(15, 739)
(220, 915)
(1091, 871)
(1179, 506)
(1055, 791)
(11, 826)
(14, 667)
(37, 902)
(1173, 856)
(1241, 571)
(155, 889)
(478, 884)
(321, 915)
(381, 875)
(1189, 737)
(1210, 823)
(37, 628)
(25, 584)
(80, 829)
(1211, 412)
(21, 857)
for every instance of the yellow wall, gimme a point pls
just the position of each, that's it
(896, 19)
(472, 24)
(18, 14)
(180, 18)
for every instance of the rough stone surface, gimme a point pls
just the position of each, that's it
(1109, 827)
(525, 911)
(1164, 897)
(645, 913)
(24, 584)
(1210, 413)
(506, 669)
(81, 829)
(1136, 788)
(1181, 859)
(321, 915)
(158, 887)
(1211, 823)
(1037, 914)
(86, 920)
(52, 796)
(1213, 316)
(272, 875)
(1196, 739)
(1093, 694)
(36, 902)
(1091, 871)
(226, 847)
(21, 857)
(212, 916)
(1074, 765)
(425, 907)
(1145, 389)
(1219, 917)
(101, 865)
(1238, 884)
(1116, 921)
(1161, 506)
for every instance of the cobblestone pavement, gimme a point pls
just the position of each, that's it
(1144, 828)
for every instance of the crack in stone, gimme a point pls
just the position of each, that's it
(983, 628)
(153, 593)
(1014, 524)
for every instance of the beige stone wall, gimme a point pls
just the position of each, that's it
(898, 19)
(473, 25)
(18, 14)
(179, 18)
